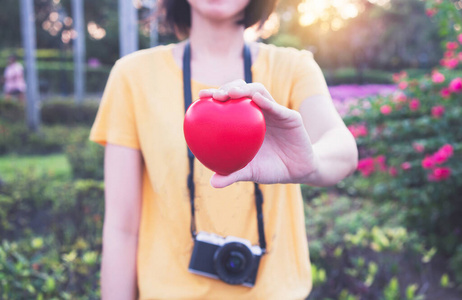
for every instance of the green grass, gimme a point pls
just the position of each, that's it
(55, 166)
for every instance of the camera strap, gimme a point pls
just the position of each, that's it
(187, 91)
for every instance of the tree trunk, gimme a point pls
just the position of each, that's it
(79, 51)
(154, 22)
(128, 27)
(29, 44)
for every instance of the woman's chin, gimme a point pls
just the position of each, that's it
(220, 10)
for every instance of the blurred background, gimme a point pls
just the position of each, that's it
(390, 231)
(346, 36)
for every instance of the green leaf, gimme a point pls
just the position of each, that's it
(70, 257)
(50, 285)
(427, 257)
(410, 292)
(90, 257)
(444, 281)
(391, 291)
(37, 243)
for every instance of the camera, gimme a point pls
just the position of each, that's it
(231, 259)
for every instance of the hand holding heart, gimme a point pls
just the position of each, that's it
(286, 155)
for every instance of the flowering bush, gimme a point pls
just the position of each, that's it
(50, 237)
(411, 142)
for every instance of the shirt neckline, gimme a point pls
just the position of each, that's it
(179, 70)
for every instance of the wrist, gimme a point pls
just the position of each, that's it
(313, 174)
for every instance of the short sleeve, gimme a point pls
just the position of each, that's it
(115, 121)
(308, 80)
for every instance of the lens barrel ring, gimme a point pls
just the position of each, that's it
(227, 265)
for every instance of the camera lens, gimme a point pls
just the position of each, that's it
(233, 263)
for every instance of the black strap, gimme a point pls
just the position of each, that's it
(187, 92)
(261, 228)
(258, 193)
(247, 64)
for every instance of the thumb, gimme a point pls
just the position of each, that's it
(220, 181)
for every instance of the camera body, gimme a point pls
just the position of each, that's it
(231, 259)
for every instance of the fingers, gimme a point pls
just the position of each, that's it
(234, 83)
(206, 93)
(222, 94)
(221, 181)
(249, 90)
(263, 102)
(236, 89)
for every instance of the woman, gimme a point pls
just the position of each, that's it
(147, 244)
(15, 85)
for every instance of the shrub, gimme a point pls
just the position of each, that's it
(411, 147)
(69, 113)
(78, 208)
(86, 158)
(56, 228)
(359, 250)
(32, 201)
(37, 268)
(352, 76)
(16, 138)
(11, 111)
(57, 77)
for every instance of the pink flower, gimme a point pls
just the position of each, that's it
(392, 171)
(443, 154)
(452, 45)
(358, 130)
(399, 97)
(439, 174)
(402, 85)
(450, 63)
(380, 160)
(456, 85)
(431, 12)
(437, 77)
(428, 162)
(385, 109)
(418, 147)
(447, 149)
(445, 93)
(366, 166)
(406, 166)
(414, 104)
(437, 111)
(399, 76)
(449, 54)
(440, 158)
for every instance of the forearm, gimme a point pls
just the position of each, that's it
(335, 156)
(118, 268)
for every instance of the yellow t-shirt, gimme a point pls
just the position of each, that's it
(143, 108)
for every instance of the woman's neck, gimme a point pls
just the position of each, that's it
(218, 40)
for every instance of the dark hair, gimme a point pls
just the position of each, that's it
(178, 14)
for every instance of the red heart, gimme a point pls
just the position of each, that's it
(224, 136)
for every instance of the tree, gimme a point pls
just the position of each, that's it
(29, 43)
(128, 27)
(79, 50)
